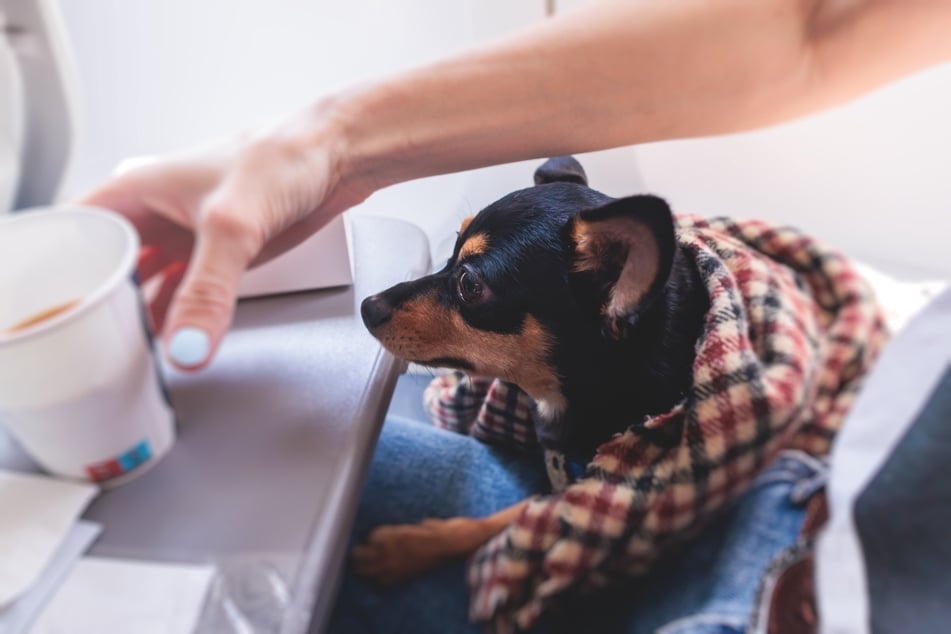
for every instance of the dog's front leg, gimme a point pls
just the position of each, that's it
(394, 553)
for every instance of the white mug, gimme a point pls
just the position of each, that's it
(80, 390)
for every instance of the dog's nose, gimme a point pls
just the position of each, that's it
(375, 311)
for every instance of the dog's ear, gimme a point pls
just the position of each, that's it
(561, 169)
(626, 249)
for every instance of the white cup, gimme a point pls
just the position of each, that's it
(80, 391)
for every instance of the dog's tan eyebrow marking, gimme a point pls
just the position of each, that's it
(473, 246)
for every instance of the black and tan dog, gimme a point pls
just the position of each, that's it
(570, 294)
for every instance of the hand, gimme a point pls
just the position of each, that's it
(205, 216)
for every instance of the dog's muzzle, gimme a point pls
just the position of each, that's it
(375, 311)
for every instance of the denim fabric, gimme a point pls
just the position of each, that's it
(418, 472)
(708, 586)
(902, 518)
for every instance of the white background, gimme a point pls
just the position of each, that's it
(873, 178)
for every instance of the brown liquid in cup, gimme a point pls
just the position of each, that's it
(41, 316)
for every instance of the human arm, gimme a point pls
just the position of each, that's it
(609, 74)
(623, 72)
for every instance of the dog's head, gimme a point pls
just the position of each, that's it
(534, 279)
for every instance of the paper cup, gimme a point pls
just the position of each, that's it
(80, 390)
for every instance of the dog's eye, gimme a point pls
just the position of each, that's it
(470, 288)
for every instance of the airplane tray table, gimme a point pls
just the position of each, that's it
(275, 439)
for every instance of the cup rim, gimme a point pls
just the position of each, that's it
(89, 300)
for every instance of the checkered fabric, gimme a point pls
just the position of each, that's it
(494, 411)
(790, 331)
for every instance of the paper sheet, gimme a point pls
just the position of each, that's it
(115, 595)
(17, 618)
(37, 513)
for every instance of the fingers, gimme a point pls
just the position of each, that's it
(213, 208)
(117, 193)
(203, 306)
(150, 262)
(158, 306)
(128, 195)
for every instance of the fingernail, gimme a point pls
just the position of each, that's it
(189, 346)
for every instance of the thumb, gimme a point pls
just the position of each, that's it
(203, 306)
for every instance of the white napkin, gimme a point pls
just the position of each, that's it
(112, 595)
(36, 512)
(17, 617)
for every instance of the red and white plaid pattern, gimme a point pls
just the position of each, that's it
(494, 411)
(790, 332)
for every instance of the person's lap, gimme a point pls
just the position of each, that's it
(420, 471)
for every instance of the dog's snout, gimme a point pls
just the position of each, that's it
(375, 311)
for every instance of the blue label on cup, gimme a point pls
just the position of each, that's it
(120, 465)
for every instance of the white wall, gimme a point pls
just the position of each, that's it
(872, 177)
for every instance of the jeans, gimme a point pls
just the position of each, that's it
(708, 586)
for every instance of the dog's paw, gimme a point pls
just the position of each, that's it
(617, 325)
(395, 553)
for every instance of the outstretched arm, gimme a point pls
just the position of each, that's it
(622, 72)
(612, 73)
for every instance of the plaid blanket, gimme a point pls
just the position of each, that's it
(790, 331)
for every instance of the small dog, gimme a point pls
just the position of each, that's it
(570, 294)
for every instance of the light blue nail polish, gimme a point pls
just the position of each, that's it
(189, 346)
